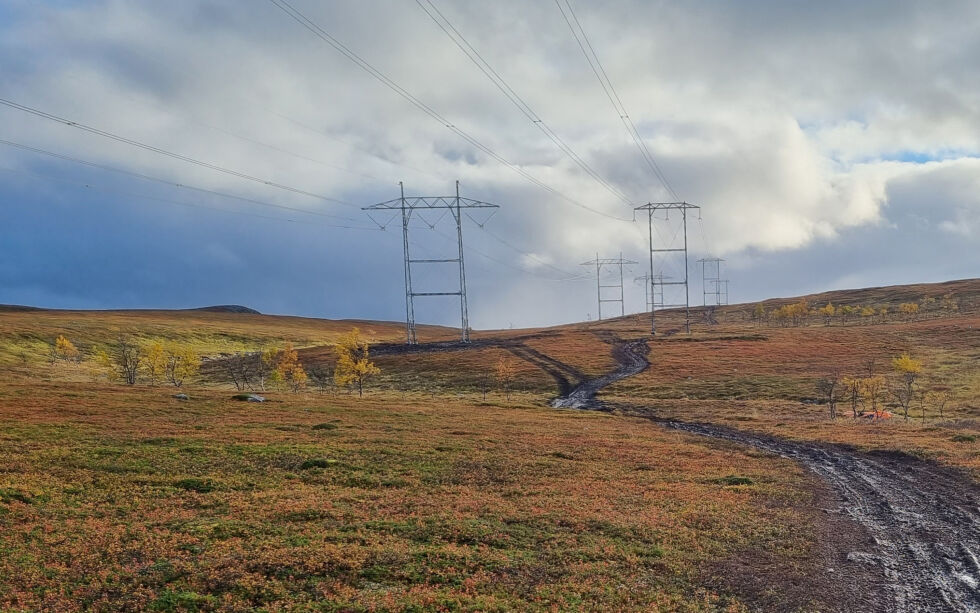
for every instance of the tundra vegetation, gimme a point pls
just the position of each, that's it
(451, 485)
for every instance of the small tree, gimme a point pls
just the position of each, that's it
(181, 364)
(505, 372)
(909, 310)
(66, 351)
(265, 367)
(882, 315)
(155, 362)
(353, 362)
(238, 369)
(288, 370)
(321, 376)
(871, 390)
(759, 313)
(852, 392)
(830, 387)
(867, 313)
(485, 384)
(827, 312)
(908, 371)
(123, 360)
(938, 398)
(845, 312)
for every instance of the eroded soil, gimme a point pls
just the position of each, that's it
(923, 519)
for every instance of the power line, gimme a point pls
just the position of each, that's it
(478, 60)
(299, 123)
(322, 34)
(174, 202)
(610, 91)
(518, 268)
(166, 182)
(568, 275)
(177, 156)
(233, 134)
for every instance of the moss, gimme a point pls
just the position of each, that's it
(734, 480)
(201, 486)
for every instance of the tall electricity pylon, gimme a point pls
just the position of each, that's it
(683, 207)
(409, 206)
(599, 263)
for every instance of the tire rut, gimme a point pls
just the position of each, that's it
(632, 359)
(924, 518)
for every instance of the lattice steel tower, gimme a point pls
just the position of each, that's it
(712, 285)
(409, 206)
(599, 263)
(658, 279)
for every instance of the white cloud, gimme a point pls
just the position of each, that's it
(787, 123)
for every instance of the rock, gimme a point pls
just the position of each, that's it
(862, 557)
(249, 397)
(181, 396)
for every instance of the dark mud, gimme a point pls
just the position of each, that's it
(632, 359)
(923, 519)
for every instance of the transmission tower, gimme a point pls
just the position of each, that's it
(409, 206)
(599, 263)
(645, 280)
(712, 285)
(658, 279)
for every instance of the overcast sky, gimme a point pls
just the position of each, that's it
(830, 145)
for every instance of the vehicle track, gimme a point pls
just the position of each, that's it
(631, 356)
(924, 518)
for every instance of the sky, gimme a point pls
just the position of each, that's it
(829, 145)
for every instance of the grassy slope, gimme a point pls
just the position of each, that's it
(115, 498)
(27, 335)
(428, 497)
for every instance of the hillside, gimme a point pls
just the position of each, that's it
(445, 488)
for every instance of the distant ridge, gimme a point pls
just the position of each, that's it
(219, 308)
(227, 308)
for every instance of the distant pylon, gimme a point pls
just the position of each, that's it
(712, 285)
(599, 263)
(683, 207)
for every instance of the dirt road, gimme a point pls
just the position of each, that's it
(924, 518)
(631, 356)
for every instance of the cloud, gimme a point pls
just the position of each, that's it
(798, 129)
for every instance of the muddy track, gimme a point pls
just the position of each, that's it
(924, 518)
(632, 359)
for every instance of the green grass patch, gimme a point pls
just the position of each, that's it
(201, 486)
(734, 480)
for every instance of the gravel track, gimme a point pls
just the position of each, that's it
(924, 518)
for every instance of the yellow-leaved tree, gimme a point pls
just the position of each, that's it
(65, 350)
(155, 362)
(908, 370)
(288, 370)
(872, 387)
(505, 372)
(353, 361)
(182, 363)
(827, 312)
